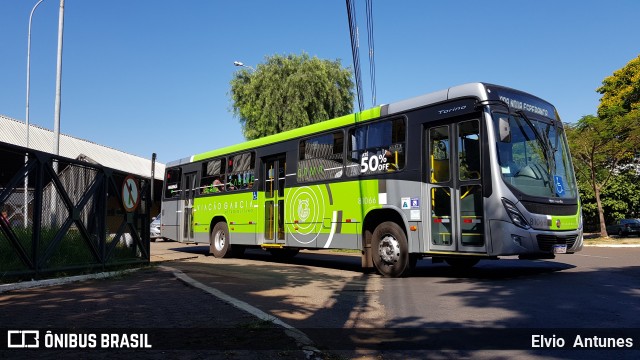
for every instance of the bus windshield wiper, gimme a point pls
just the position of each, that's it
(546, 147)
(543, 143)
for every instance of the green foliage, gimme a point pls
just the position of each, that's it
(605, 147)
(287, 92)
(621, 91)
(599, 146)
(621, 199)
(71, 251)
(600, 150)
(619, 111)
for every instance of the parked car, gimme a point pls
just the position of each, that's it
(625, 227)
(156, 223)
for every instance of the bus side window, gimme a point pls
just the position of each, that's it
(321, 157)
(469, 150)
(241, 173)
(377, 148)
(212, 176)
(357, 144)
(439, 154)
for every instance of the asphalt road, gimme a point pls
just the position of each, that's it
(438, 312)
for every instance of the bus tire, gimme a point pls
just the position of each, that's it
(219, 241)
(461, 263)
(390, 251)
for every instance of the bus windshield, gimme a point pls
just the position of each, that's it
(534, 157)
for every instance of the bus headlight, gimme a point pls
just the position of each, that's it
(515, 215)
(580, 223)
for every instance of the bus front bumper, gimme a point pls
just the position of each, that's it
(508, 239)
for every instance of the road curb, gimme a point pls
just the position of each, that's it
(614, 245)
(303, 342)
(61, 281)
(171, 257)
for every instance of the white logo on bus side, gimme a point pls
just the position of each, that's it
(303, 210)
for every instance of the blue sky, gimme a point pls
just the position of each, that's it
(148, 76)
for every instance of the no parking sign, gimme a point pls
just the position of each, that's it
(130, 194)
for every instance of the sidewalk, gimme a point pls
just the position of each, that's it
(150, 300)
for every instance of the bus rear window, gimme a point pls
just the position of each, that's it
(172, 183)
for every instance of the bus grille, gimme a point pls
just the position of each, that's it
(550, 209)
(546, 242)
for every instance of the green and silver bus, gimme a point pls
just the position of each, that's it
(472, 172)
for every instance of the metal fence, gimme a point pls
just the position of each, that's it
(61, 215)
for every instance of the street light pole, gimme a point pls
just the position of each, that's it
(25, 210)
(29, 67)
(238, 63)
(56, 125)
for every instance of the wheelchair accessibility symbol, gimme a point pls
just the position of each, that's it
(559, 185)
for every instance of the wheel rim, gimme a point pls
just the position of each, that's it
(219, 240)
(389, 249)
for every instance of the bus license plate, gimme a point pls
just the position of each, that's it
(560, 249)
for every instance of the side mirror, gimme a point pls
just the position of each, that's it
(505, 129)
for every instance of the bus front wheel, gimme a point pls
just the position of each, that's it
(390, 251)
(219, 240)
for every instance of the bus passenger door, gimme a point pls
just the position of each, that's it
(274, 183)
(440, 189)
(186, 223)
(172, 204)
(454, 188)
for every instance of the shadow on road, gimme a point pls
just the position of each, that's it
(530, 294)
(489, 269)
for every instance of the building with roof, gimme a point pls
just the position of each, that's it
(14, 132)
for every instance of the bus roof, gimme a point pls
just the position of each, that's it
(291, 134)
(477, 90)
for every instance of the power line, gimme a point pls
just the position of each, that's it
(355, 52)
(372, 62)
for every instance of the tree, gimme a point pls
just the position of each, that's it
(287, 92)
(621, 91)
(602, 145)
(620, 199)
(597, 152)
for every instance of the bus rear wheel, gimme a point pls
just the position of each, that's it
(390, 251)
(219, 241)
